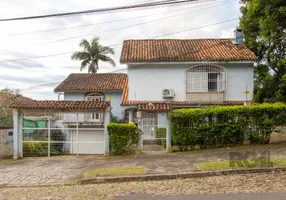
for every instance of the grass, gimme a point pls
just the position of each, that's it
(111, 172)
(246, 147)
(226, 164)
(6, 161)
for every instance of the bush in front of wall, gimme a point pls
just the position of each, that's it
(123, 138)
(224, 125)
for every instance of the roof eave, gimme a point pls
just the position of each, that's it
(189, 62)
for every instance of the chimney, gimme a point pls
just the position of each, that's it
(238, 36)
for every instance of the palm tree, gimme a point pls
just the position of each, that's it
(92, 53)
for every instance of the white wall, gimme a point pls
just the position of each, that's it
(146, 82)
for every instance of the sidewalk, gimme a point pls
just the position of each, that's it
(32, 171)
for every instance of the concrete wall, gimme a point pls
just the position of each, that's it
(6, 142)
(146, 82)
(162, 120)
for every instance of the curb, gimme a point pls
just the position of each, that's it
(150, 177)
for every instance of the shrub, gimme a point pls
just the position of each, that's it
(36, 143)
(224, 125)
(123, 138)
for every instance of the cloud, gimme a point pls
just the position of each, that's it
(28, 73)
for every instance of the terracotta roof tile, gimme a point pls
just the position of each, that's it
(62, 105)
(92, 82)
(158, 106)
(184, 50)
(154, 107)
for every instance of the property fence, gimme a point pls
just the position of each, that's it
(74, 133)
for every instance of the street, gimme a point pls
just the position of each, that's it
(240, 196)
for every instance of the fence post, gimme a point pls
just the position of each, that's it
(49, 136)
(21, 137)
(140, 128)
(106, 135)
(15, 134)
(77, 134)
(168, 133)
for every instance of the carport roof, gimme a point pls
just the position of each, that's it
(62, 105)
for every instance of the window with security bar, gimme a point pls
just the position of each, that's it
(205, 83)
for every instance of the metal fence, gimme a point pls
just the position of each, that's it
(63, 134)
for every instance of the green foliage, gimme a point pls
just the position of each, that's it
(123, 138)
(40, 148)
(92, 53)
(264, 26)
(7, 96)
(225, 125)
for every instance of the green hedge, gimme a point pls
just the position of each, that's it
(224, 125)
(123, 138)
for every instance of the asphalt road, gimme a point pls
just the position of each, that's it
(240, 196)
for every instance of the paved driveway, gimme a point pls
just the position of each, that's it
(29, 171)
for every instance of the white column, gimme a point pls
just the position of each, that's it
(140, 127)
(16, 148)
(49, 136)
(106, 135)
(77, 134)
(168, 133)
(21, 137)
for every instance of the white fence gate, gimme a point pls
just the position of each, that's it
(152, 138)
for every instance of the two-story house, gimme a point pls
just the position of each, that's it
(166, 74)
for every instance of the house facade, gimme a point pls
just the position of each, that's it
(163, 75)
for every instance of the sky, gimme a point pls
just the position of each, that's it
(41, 37)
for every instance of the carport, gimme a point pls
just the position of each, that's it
(60, 128)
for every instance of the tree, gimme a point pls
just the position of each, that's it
(264, 25)
(92, 53)
(7, 96)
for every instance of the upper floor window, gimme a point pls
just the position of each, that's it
(204, 79)
(95, 116)
(94, 97)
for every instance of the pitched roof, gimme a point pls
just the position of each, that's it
(61, 105)
(184, 50)
(92, 82)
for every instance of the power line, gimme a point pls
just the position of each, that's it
(115, 71)
(107, 22)
(102, 10)
(110, 30)
(35, 57)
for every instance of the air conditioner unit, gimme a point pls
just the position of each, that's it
(168, 93)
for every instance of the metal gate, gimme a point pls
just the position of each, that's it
(152, 140)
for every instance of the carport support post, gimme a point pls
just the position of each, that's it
(49, 136)
(16, 134)
(106, 135)
(168, 133)
(77, 134)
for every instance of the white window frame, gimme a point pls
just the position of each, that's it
(198, 81)
(94, 116)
